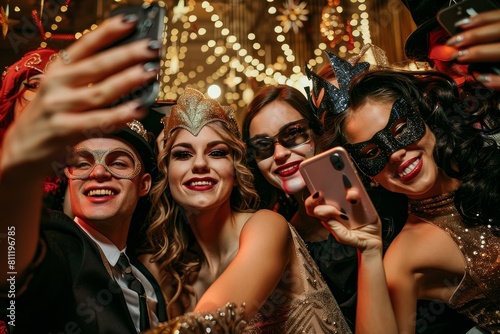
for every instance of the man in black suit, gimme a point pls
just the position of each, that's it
(74, 284)
(59, 275)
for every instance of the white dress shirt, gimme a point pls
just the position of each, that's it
(112, 254)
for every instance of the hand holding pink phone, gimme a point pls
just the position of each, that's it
(333, 174)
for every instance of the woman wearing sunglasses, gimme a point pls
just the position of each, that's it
(408, 135)
(281, 131)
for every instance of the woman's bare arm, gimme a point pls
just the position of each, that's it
(264, 253)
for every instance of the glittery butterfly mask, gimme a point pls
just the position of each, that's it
(325, 97)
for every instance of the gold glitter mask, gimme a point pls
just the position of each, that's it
(193, 111)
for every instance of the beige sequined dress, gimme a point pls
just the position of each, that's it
(478, 294)
(313, 311)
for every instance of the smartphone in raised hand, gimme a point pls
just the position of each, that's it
(150, 25)
(333, 173)
(447, 17)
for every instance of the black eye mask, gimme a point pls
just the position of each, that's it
(404, 128)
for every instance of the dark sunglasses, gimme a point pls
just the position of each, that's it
(290, 135)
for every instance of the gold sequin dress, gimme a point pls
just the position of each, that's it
(302, 303)
(478, 294)
(313, 311)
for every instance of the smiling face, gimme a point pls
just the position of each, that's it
(201, 170)
(282, 168)
(103, 196)
(410, 170)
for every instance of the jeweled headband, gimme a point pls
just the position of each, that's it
(193, 111)
(335, 100)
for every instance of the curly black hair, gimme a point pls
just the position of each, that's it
(461, 150)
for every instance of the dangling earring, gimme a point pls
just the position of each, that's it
(374, 183)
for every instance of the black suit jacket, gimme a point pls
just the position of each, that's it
(71, 291)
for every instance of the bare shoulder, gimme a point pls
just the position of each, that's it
(266, 220)
(266, 227)
(420, 246)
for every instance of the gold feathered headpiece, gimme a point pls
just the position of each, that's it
(193, 111)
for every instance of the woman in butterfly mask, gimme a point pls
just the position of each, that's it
(406, 134)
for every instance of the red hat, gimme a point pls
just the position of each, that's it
(32, 63)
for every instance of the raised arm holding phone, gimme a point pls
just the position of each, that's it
(56, 288)
(408, 139)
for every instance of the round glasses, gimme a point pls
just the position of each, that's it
(119, 162)
(291, 135)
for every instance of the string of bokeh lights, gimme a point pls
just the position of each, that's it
(235, 64)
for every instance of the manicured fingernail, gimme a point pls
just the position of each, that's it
(455, 40)
(462, 22)
(462, 53)
(316, 195)
(151, 66)
(154, 45)
(129, 18)
(483, 78)
(344, 217)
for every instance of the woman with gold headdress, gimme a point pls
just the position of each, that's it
(209, 246)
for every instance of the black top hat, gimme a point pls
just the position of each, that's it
(136, 135)
(423, 13)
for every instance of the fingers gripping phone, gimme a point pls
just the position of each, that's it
(150, 25)
(447, 17)
(333, 173)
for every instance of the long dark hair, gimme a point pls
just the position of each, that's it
(269, 194)
(461, 151)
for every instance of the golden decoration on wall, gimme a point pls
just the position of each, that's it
(293, 16)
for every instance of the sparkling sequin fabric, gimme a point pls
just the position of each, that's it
(314, 311)
(478, 294)
(336, 100)
(228, 320)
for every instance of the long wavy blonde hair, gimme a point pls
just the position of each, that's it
(169, 236)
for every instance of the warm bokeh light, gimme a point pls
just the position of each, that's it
(214, 91)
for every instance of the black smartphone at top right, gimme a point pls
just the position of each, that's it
(447, 17)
